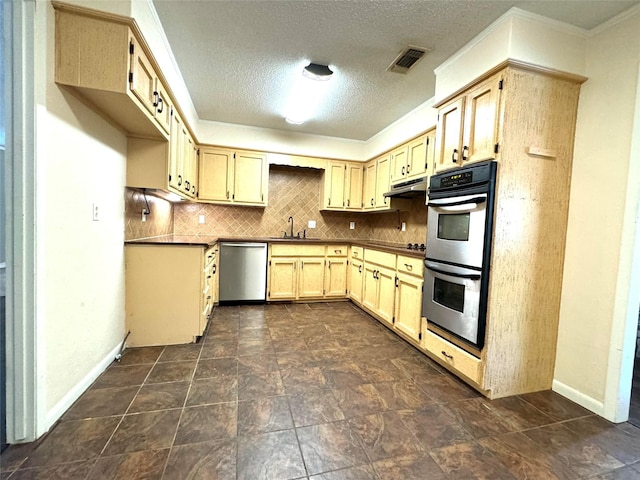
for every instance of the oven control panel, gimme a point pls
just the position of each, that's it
(456, 179)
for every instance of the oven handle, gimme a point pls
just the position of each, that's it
(470, 276)
(468, 201)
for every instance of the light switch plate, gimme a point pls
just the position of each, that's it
(96, 212)
(200, 219)
(312, 224)
(352, 225)
(404, 227)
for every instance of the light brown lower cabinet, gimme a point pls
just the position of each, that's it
(408, 299)
(168, 295)
(306, 272)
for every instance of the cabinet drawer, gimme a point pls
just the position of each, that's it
(296, 250)
(384, 259)
(337, 250)
(468, 365)
(411, 265)
(357, 252)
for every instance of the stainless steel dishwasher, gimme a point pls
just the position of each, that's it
(243, 272)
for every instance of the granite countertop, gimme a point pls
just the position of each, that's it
(204, 241)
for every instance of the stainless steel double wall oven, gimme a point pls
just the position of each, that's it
(458, 253)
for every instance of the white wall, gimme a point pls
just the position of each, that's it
(80, 160)
(600, 237)
(517, 35)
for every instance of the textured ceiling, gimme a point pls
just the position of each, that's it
(239, 58)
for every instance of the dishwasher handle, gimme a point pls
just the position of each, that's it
(244, 245)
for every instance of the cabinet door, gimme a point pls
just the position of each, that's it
(481, 122)
(143, 77)
(251, 178)
(251, 174)
(383, 183)
(369, 191)
(163, 107)
(449, 131)
(417, 157)
(176, 158)
(334, 185)
(398, 167)
(190, 168)
(283, 278)
(355, 281)
(215, 174)
(408, 308)
(335, 284)
(311, 277)
(353, 184)
(386, 294)
(370, 287)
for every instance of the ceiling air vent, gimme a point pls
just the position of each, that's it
(406, 59)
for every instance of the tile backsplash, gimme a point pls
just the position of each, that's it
(293, 191)
(158, 222)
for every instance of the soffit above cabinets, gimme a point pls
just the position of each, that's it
(239, 58)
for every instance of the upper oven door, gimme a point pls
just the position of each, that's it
(456, 229)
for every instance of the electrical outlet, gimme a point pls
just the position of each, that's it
(144, 216)
(201, 219)
(352, 225)
(96, 212)
(404, 227)
(311, 224)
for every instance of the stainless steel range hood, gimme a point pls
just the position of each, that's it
(409, 189)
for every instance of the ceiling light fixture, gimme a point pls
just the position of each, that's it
(308, 90)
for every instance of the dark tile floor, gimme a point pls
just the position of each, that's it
(317, 392)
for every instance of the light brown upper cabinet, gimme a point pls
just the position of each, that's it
(341, 188)
(233, 177)
(333, 187)
(369, 185)
(413, 159)
(353, 186)
(103, 60)
(383, 182)
(467, 129)
(399, 159)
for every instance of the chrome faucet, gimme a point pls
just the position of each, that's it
(291, 220)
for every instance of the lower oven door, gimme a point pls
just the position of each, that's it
(451, 300)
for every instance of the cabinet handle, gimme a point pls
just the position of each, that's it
(450, 357)
(372, 202)
(337, 252)
(348, 202)
(396, 282)
(160, 104)
(227, 194)
(187, 185)
(214, 268)
(193, 189)
(403, 171)
(453, 156)
(302, 265)
(179, 180)
(329, 265)
(464, 149)
(156, 96)
(385, 200)
(409, 267)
